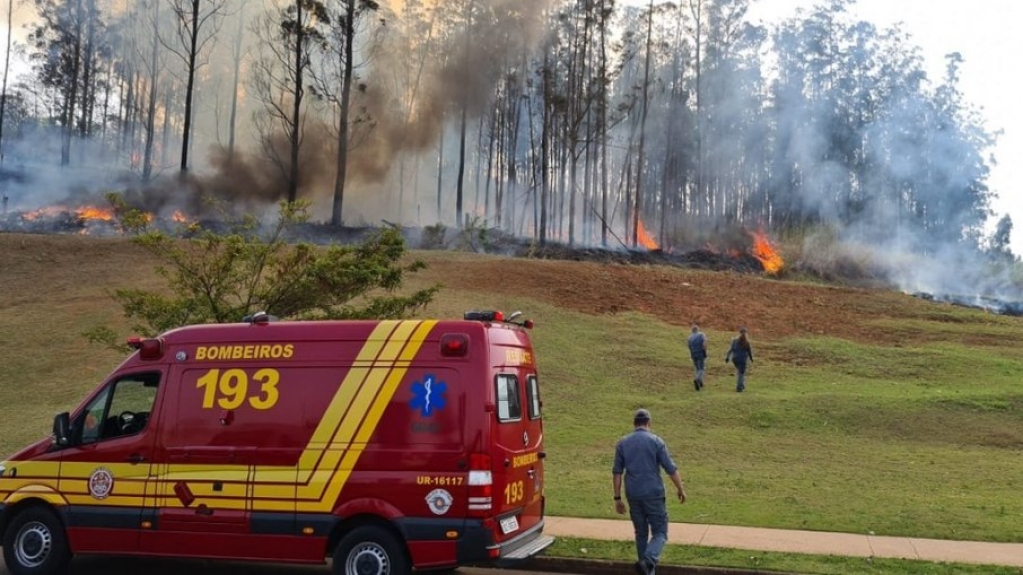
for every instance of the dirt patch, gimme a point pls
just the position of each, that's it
(81, 268)
(715, 300)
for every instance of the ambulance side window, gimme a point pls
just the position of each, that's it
(122, 409)
(533, 392)
(509, 403)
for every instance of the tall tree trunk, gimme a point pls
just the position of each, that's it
(642, 124)
(545, 184)
(702, 196)
(464, 120)
(7, 67)
(147, 162)
(234, 88)
(193, 48)
(168, 100)
(124, 114)
(72, 100)
(88, 95)
(602, 131)
(346, 97)
(296, 115)
(440, 171)
(104, 124)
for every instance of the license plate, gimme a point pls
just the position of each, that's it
(509, 524)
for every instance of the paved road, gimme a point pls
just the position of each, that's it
(134, 566)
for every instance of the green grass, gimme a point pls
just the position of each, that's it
(624, 551)
(917, 432)
(920, 440)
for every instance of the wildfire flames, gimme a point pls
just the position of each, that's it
(764, 251)
(86, 219)
(644, 238)
(82, 213)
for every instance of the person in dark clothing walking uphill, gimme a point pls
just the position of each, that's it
(740, 352)
(698, 352)
(640, 456)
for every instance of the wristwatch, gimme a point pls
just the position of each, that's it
(618, 497)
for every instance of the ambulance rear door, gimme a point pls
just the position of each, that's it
(517, 432)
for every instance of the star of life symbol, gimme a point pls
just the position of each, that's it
(101, 483)
(428, 395)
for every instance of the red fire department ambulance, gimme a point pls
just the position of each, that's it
(385, 445)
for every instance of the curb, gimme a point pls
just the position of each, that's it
(606, 567)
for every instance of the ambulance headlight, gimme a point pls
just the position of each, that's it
(2, 469)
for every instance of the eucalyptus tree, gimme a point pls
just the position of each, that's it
(7, 67)
(57, 38)
(644, 112)
(335, 77)
(410, 52)
(153, 64)
(573, 89)
(809, 49)
(239, 52)
(198, 23)
(678, 122)
(506, 34)
(289, 33)
(862, 140)
(733, 128)
(953, 200)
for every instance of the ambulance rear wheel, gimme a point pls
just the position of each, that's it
(370, 550)
(35, 543)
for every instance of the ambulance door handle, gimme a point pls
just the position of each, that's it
(531, 473)
(135, 458)
(507, 463)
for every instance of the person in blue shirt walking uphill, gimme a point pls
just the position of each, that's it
(640, 456)
(740, 352)
(698, 351)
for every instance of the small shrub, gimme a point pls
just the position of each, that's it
(434, 237)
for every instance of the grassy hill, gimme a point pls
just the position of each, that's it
(866, 410)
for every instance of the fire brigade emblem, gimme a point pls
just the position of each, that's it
(101, 483)
(439, 501)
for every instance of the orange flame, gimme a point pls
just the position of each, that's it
(644, 238)
(94, 213)
(83, 213)
(179, 217)
(765, 251)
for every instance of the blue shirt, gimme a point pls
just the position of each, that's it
(739, 354)
(641, 455)
(697, 345)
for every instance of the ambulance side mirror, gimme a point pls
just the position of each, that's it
(62, 429)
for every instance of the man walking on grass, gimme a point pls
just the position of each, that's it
(698, 352)
(640, 456)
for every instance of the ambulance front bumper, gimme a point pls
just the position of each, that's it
(3, 519)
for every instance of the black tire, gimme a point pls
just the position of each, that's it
(370, 550)
(35, 543)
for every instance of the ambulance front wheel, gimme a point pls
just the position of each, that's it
(35, 543)
(370, 550)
